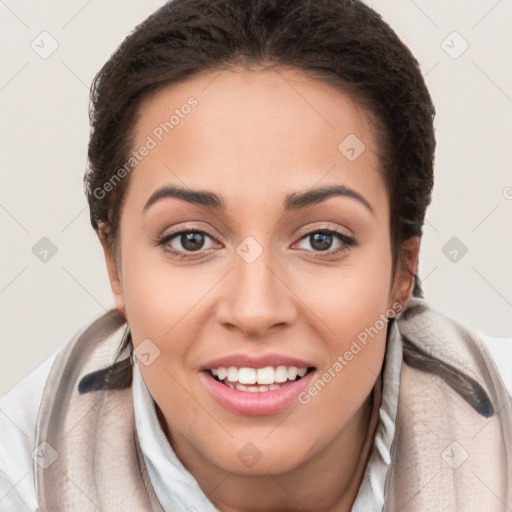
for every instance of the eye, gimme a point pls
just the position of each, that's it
(322, 240)
(185, 241)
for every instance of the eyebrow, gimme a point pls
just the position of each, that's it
(293, 201)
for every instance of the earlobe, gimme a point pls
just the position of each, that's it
(112, 270)
(407, 267)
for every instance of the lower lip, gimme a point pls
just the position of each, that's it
(257, 403)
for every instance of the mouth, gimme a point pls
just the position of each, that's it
(258, 380)
(257, 391)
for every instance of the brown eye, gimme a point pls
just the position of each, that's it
(322, 241)
(192, 241)
(186, 241)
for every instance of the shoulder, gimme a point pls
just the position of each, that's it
(21, 407)
(436, 344)
(454, 410)
(18, 417)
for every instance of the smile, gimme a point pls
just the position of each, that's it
(258, 380)
(243, 390)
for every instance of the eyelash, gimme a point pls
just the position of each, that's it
(347, 241)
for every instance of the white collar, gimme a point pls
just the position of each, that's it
(370, 496)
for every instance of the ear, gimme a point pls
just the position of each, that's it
(114, 274)
(407, 265)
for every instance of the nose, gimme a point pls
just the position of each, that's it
(256, 296)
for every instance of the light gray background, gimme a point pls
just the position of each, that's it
(43, 145)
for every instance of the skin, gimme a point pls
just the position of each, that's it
(254, 137)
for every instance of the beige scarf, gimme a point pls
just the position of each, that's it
(452, 449)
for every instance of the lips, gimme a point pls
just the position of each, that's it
(256, 385)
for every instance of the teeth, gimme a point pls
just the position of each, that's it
(232, 374)
(248, 379)
(292, 373)
(265, 375)
(252, 389)
(247, 376)
(281, 374)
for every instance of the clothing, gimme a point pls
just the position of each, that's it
(449, 450)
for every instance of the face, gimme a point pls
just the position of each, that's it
(260, 276)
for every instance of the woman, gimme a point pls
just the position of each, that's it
(259, 175)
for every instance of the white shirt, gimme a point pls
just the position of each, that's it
(18, 416)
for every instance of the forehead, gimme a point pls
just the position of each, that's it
(255, 132)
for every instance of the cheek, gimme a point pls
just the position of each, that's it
(351, 303)
(352, 296)
(355, 328)
(160, 296)
(160, 304)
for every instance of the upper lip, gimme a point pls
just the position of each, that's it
(256, 361)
